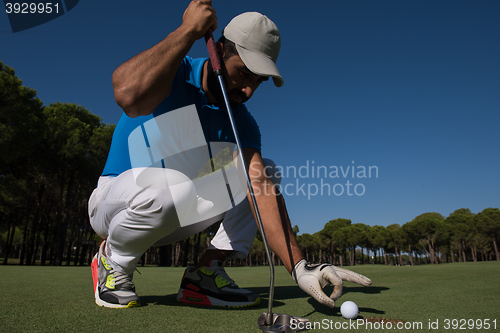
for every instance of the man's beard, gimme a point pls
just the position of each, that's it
(215, 88)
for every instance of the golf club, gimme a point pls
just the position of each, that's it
(268, 322)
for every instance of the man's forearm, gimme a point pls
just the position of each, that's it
(143, 82)
(273, 212)
(278, 230)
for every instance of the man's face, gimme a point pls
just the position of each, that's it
(240, 82)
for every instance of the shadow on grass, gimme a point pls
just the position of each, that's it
(171, 300)
(325, 310)
(364, 290)
(281, 294)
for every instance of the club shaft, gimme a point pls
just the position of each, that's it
(216, 65)
(252, 196)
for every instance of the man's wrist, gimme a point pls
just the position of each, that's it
(189, 33)
(297, 270)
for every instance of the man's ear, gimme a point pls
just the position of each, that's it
(220, 49)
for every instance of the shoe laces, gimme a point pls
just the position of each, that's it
(121, 280)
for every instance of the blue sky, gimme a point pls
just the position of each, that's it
(409, 88)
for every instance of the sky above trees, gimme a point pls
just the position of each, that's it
(409, 87)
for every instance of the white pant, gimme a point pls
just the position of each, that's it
(135, 217)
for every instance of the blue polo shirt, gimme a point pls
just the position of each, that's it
(186, 91)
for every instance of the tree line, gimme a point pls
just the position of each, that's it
(50, 160)
(428, 238)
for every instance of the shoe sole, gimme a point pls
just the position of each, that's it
(191, 297)
(105, 304)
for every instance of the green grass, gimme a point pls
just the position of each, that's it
(60, 299)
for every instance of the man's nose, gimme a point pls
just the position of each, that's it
(249, 89)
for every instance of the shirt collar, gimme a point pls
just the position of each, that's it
(197, 70)
(195, 80)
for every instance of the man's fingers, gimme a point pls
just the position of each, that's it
(208, 4)
(331, 277)
(347, 275)
(337, 291)
(213, 27)
(310, 284)
(200, 17)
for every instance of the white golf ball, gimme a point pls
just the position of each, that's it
(349, 310)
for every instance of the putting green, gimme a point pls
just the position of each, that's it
(60, 299)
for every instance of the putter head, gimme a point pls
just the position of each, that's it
(282, 323)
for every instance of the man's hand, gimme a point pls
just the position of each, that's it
(313, 278)
(199, 18)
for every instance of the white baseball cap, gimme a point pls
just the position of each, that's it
(258, 43)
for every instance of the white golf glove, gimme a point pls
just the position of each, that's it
(313, 278)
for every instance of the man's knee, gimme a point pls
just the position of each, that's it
(168, 197)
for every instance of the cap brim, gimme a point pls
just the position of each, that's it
(260, 64)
